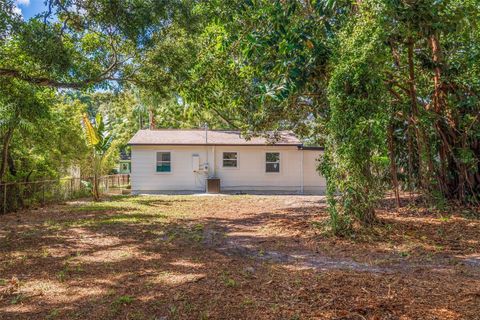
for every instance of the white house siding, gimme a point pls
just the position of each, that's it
(249, 176)
(313, 183)
(182, 178)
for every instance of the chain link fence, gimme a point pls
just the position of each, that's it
(19, 195)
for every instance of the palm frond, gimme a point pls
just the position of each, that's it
(92, 135)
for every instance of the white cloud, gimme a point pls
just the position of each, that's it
(17, 10)
(17, 4)
(25, 3)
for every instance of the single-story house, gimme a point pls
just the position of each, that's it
(181, 161)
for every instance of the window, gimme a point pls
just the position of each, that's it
(230, 160)
(164, 162)
(272, 162)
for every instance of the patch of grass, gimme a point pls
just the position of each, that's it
(295, 317)
(173, 310)
(17, 299)
(53, 314)
(115, 219)
(120, 302)
(318, 225)
(124, 300)
(45, 253)
(275, 307)
(188, 307)
(70, 266)
(470, 214)
(93, 207)
(137, 315)
(62, 275)
(204, 315)
(228, 281)
(444, 218)
(248, 301)
(189, 233)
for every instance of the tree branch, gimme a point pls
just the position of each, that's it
(47, 82)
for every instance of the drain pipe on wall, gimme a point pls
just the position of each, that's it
(213, 161)
(206, 157)
(206, 149)
(301, 186)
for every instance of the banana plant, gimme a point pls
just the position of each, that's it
(100, 140)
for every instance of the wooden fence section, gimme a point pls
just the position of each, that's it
(19, 195)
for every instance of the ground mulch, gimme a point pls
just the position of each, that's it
(236, 257)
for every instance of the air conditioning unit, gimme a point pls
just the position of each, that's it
(213, 185)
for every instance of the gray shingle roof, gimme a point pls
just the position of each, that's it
(197, 137)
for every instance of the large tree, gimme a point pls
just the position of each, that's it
(391, 87)
(76, 45)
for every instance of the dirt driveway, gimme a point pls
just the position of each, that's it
(235, 257)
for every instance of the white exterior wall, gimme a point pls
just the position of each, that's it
(182, 178)
(313, 182)
(249, 176)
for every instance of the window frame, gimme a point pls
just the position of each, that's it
(238, 160)
(124, 166)
(157, 162)
(267, 162)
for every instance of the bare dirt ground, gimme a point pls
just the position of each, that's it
(235, 257)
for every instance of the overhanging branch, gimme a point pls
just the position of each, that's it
(47, 82)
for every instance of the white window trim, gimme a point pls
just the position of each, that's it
(171, 162)
(279, 162)
(238, 160)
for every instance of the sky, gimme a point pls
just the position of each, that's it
(30, 8)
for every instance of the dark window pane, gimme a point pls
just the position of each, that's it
(164, 167)
(273, 167)
(272, 156)
(230, 163)
(230, 155)
(163, 156)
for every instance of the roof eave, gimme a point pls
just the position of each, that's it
(217, 144)
(313, 148)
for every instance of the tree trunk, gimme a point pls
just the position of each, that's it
(6, 144)
(97, 167)
(151, 119)
(393, 165)
(96, 193)
(413, 121)
(445, 129)
(438, 95)
(11, 164)
(367, 215)
(410, 157)
(413, 114)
